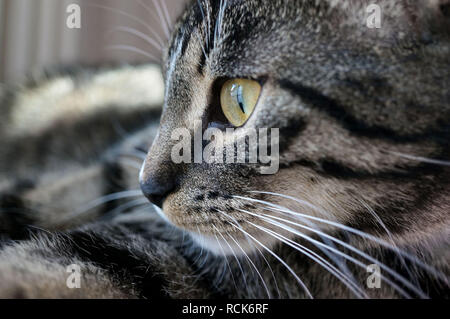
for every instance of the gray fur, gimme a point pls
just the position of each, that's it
(345, 97)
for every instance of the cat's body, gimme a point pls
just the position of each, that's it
(361, 114)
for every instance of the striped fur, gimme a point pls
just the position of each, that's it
(359, 110)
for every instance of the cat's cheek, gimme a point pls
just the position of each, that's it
(300, 190)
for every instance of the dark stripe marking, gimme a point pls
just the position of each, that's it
(333, 108)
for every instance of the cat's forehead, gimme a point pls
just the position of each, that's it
(230, 23)
(236, 36)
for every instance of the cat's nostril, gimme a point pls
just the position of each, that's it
(156, 190)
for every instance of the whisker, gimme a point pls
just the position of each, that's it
(341, 264)
(135, 154)
(279, 259)
(270, 269)
(148, 9)
(260, 252)
(218, 26)
(221, 14)
(318, 259)
(348, 276)
(141, 151)
(162, 19)
(391, 238)
(203, 16)
(235, 257)
(101, 201)
(226, 259)
(205, 260)
(200, 254)
(202, 46)
(377, 240)
(167, 16)
(208, 10)
(219, 275)
(154, 16)
(120, 209)
(130, 16)
(238, 262)
(161, 214)
(254, 266)
(206, 30)
(138, 34)
(422, 159)
(132, 49)
(270, 219)
(131, 163)
(302, 202)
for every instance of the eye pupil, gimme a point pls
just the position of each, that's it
(238, 100)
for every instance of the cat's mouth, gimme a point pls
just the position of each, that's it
(219, 244)
(228, 236)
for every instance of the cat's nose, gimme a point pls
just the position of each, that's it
(156, 189)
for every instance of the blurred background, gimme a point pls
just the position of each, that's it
(34, 33)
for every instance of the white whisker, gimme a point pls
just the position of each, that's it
(132, 49)
(131, 163)
(270, 269)
(162, 19)
(226, 259)
(135, 154)
(139, 34)
(270, 219)
(341, 264)
(167, 16)
(219, 22)
(204, 19)
(318, 259)
(209, 24)
(254, 267)
(237, 260)
(130, 16)
(202, 46)
(201, 249)
(102, 200)
(120, 209)
(422, 159)
(391, 237)
(262, 255)
(280, 260)
(377, 240)
(302, 202)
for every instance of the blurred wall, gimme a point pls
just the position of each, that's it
(34, 33)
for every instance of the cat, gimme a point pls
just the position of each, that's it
(359, 207)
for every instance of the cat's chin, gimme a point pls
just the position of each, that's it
(216, 244)
(219, 247)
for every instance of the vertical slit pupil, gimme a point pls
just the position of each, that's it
(240, 98)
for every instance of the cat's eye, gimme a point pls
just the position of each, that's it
(238, 99)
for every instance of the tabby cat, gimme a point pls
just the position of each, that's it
(360, 205)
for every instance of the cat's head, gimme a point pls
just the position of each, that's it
(358, 109)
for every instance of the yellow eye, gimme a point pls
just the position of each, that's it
(238, 99)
